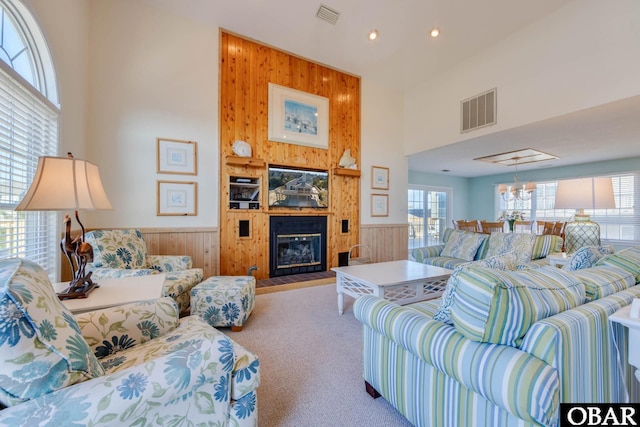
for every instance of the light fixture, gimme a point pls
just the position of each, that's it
(66, 183)
(583, 193)
(516, 190)
(435, 32)
(373, 34)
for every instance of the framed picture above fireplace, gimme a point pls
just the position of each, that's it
(297, 117)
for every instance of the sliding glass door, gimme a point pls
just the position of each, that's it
(428, 214)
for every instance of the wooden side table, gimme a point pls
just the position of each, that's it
(623, 317)
(113, 292)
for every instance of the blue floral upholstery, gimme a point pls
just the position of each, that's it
(587, 257)
(224, 301)
(41, 347)
(123, 253)
(463, 244)
(154, 369)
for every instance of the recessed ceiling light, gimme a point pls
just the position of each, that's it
(373, 35)
(435, 32)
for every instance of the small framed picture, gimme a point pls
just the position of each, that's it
(177, 198)
(379, 205)
(176, 156)
(379, 178)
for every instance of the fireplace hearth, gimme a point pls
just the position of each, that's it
(297, 244)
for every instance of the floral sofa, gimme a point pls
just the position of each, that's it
(137, 364)
(123, 253)
(459, 247)
(510, 345)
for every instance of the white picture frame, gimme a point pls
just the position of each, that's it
(379, 205)
(176, 198)
(176, 156)
(379, 178)
(297, 117)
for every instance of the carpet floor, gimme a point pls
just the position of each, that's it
(311, 362)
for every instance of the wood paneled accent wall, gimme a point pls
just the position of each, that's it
(388, 242)
(201, 244)
(246, 69)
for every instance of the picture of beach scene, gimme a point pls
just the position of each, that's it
(300, 118)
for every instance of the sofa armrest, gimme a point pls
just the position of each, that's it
(169, 262)
(117, 273)
(420, 254)
(191, 380)
(133, 323)
(512, 379)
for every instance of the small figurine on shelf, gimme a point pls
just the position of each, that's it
(346, 161)
(241, 148)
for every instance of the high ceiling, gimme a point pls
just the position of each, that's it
(404, 55)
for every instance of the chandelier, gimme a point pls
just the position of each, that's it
(516, 190)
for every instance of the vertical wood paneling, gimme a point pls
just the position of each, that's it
(200, 244)
(246, 68)
(387, 242)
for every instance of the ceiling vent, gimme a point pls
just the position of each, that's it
(478, 111)
(328, 14)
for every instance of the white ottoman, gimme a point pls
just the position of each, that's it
(224, 301)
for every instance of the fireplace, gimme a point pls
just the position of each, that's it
(297, 244)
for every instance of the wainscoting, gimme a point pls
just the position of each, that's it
(202, 244)
(388, 242)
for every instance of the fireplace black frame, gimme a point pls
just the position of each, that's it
(280, 225)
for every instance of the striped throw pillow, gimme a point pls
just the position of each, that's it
(499, 307)
(545, 245)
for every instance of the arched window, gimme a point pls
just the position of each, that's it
(28, 129)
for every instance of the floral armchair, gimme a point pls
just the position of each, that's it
(123, 253)
(137, 364)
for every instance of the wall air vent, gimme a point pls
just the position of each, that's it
(479, 111)
(328, 14)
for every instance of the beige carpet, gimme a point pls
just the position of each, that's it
(311, 362)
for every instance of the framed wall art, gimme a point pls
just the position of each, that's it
(379, 205)
(177, 198)
(297, 117)
(177, 156)
(379, 178)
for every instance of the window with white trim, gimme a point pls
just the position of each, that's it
(621, 224)
(429, 213)
(28, 130)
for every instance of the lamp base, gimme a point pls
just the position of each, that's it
(581, 232)
(78, 288)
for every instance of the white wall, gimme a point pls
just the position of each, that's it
(382, 135)
(584, 55)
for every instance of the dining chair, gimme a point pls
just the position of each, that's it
(523, 227)
(545, 227)
(491, 227)
(461, 224)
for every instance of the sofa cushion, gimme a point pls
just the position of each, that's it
(500, 306)
(118, 248)
(463, 245)
(41, 347)
(604, 280)
(546, 244)
(421, 254)
(627, 259)
(519, 243)
(587, 257)
(502, 262)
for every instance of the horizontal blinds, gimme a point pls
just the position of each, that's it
(28, 130)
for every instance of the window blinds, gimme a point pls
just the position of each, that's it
(28, 130)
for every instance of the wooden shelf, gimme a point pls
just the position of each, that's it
(246, 161)
(346, 172)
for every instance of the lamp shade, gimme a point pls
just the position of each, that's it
(65, 183)
(585, 193)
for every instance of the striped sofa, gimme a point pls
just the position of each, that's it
(531, 249)
(514, 346)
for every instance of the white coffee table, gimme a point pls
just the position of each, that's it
(113, 292)
(402, 282)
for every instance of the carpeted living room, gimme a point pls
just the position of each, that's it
(186, 185)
